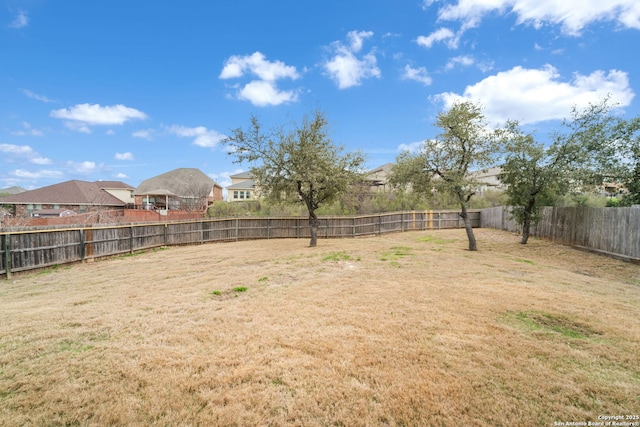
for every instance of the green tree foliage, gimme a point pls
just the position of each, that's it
(627, 159)
(533, 174)
(443, 164)
(297, 165)
(606, 148)
(593, 147)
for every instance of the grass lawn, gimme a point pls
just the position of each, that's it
(399, 330)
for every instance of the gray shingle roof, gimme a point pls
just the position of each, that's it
(73, 192)
(175, 183)
(244, 185)
(242, 175)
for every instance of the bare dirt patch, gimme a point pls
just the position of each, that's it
(403, 329)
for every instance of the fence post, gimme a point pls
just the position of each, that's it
(131, 239)
(237, 225)
(379, 224)
(201, 231)
(83, 250)
(7, 255)
(268, 228)
(166, 236)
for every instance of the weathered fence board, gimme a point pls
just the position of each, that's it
(29, 248)
(612, 230)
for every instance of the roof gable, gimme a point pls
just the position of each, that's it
(249, 184)
(177, 182)
(73, 192)
(242, 175)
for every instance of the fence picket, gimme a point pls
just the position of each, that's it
(29, 248)
(615, 231)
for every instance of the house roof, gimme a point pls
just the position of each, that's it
(114, 185)
(178, 182)
(386, 168)
(244, 185)
(242, 175)
(73, 192)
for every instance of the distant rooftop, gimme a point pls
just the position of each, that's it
(73, 192)
(175, 182)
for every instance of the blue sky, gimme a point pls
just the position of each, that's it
(126, 90)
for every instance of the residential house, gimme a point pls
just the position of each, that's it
(377, 179)
(242, 187)
(76, 196)
(488, 179)
(120, 190)
(184, 189)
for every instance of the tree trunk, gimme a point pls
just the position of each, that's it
(526, 221)
(467, 225)
(313, 225)
(526, 225)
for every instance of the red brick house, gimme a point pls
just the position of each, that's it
(75, 196)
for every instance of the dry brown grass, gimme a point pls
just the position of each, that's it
(404, 329)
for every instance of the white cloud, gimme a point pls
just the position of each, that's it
(21, 21)
(36, 96)
(535, 95)
(124, 156)
(257, 64)
(83, 168)
(144, 134)
(463, 60)
(356, 39)
(77, 127)
(84, 115)
(418, 74)
(24, 151)
(263, 91)
(572, 15)
(20, 173)
(440, 35)
(39, 160)
(468, 61)
(15, 149)
(345, 67)
(412, 147)
(27, 130)
(203, 136)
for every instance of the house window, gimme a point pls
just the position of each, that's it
(248, 194)
(29, 208)
(235, 194)
(56, 206)
(242, 194)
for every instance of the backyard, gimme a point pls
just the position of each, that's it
(403, 329)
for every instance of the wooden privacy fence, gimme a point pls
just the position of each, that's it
(22, 250)
(615, 231)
